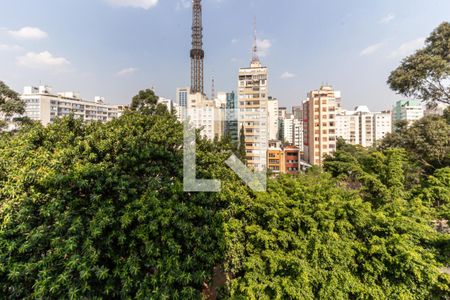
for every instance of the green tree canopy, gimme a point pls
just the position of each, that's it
(147, 102)
(425, 75)
(10, 103)
(310, 238)
(98, 210)
(427, 141)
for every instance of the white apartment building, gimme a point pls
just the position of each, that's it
(204, 114)
(43, 105)
(273, 119)
(363, 127)
(291, 131)
(408, 110)
(382, 125)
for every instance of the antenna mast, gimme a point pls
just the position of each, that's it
(197, 53)
(255, 57)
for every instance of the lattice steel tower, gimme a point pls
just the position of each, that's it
(197, 53)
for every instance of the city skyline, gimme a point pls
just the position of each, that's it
(113, 50)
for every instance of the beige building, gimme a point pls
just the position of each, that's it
(45, 106)
(253, 112)
(319, 111)
(204, 114)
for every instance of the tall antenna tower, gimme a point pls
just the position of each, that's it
(255, 57)
(197, 53)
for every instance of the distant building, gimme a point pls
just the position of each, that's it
(437, 109)
(253, 112)
(282, 112)
(363, 127)
(286, 129)
(319, 111)
(275, 158)
(231, 117)
(182, 96)
(203, 114)
(407, 110)
(43, 105)
(297, 111)
(167, 102)
(382, 125)
(283, 159)
(273, 119)
(292, 160)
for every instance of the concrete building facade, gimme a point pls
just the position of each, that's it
(319, 111)
(407, 110)
(42, 104)
(253, 113)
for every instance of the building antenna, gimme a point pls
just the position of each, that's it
(213, 89)
(255, 57)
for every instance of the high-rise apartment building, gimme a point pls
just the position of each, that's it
(282, 112)
(273, 119)
(231, 117)
(41, 104)
(382, 125)
(253, 111)
(408, 110)
(363, 127)
(291, 131)
(319, 123)
(182, 96)
(297, 111)
(204, 114)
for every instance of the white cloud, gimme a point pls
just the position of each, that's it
(234, 41)
(183, 4)
(4, 47)
(43, 60)
(408, 48)
(387, 19)
(127, 72)
(28, 33)
(287, 75)
(372, 49)
(263, 47)
(145, 4)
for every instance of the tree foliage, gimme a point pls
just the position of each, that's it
(147, 102)
(310, 238)
(98, 211)
(427, 141)
(10, 103)
(425, 75)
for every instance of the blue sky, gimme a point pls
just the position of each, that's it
(113, 48)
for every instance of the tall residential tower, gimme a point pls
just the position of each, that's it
(253, 111)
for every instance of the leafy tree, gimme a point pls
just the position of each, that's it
(98, 211)
(10, 103)
(310, 238)
(427, 141)
(242, 154)
(425, 75)
(147, 102)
